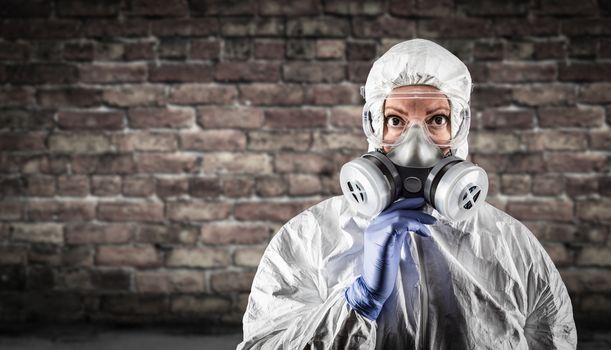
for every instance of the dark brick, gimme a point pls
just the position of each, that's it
(39, 29)
(41, 74)
(25, 8)
(80, 8)
(382, 27)
(69, 97)
(180, 72)
(85, 120)
(222, 7)
(585, 71)
(176, 8)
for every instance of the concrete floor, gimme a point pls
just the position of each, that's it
(156, 339)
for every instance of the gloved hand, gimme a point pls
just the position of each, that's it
(383, 240)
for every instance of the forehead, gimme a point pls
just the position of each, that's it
(417, 95)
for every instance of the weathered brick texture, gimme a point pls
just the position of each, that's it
(149, 150)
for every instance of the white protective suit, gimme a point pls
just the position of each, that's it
(482, 283)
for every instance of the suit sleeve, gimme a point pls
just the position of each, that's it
(292, 307)
(549, 322)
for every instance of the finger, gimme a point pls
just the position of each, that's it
(417, 215)
(419, 229)
(407, 203)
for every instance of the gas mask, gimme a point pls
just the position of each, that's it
(411, 163)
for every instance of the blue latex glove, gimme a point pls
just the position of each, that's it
(384, 238)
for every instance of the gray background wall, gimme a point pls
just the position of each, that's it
(150, 149)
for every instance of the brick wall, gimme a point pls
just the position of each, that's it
(150, 149)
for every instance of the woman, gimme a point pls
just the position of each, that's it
(410, 277)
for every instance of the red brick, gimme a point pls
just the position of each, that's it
(38, 233)
(269, 49)
(382, 27)
(171, 187)
(75, 143)
(145, 141)
(600, 140)
(511, 163)
(212, 117)
(204, 187)
(105, 185)
(317, 27)
(161, 117)
(249, 26)
(72, 185)
(271, 186)
(180, 72)
(594, 93)
(130, 211)
(11, 209)
(490, 96)
(139, 51)
(525, 26)
(178, 8)
(135, 95)
(304, 184)
(198, 211)
(238, 71)
(555, 232)
(547, 185)
(271, 211)
(571, 116)
(67, 8)
(279, 141)
(68, 97)
(112, 72)
(203, 93)
(87, 233)
(68, 211)
(567, 8)
(333, 95)
(301, 49)
(363, 7)
(515, 184)
(279, 8)
(204, 50)
(545, 94)
(271, 94)
(128, 256)
(16, 97)
(238, 186)
(185, 27)
(302, 163)
(23, 141)
(521, 72)
(556, 140)
(232, 281)
(295, 118)
(314, 72)
(39, 29)
(339, 140)
(507, 119)
(346, 117)
(48, 73)
(198, 257)
(40, 185)
(550, 49)
(168, 163)
(90, 120)
(575, 162)
(230, 8)
(14, 51)
(233, 233)
(555, 210)
(579, 186)
(594, 256)
(586, 280)
(594, 209)
(138, 186)
(585, 71)
(213, 140)
(558, 253)
(103, 164)
(175, 281)
(237, 163)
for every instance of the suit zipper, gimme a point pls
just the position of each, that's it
(424, 294)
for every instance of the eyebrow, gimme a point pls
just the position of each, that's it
(427, 112)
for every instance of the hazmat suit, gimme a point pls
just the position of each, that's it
(481, 283)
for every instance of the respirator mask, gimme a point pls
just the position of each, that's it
(412, 138)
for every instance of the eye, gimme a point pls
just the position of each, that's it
(394, 121)
(439, 120)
